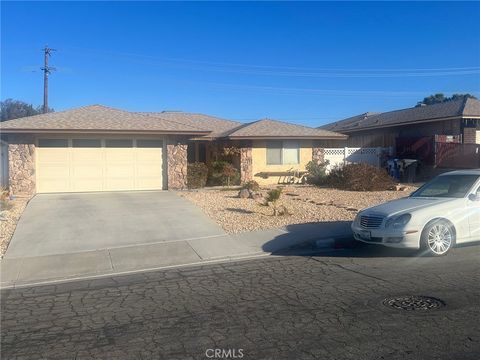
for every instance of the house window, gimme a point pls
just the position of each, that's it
(119, 143)
(149, 143)
(86, 143)
(52, 143)
(285, 152)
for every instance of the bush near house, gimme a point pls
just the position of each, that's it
(197, 174)
(223, 173)
(316, 172)
(359, 177)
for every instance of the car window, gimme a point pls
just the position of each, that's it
(450, 186)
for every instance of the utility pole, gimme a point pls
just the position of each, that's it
(46, 72)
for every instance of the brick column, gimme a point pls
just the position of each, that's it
(21, 164)
(177, 162)
(318, 155)
(246, 169)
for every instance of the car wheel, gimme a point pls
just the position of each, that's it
(438, 238)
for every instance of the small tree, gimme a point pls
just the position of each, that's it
(228, 172)
(272, 197)
(441, 98)
(14, 109)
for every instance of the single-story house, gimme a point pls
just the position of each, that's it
(98, 148)
(459, 119)
(445, 135)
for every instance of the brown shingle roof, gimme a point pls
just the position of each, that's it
(450, 109)
(268, 128)
(98, 118)
(471, 108)
(218, 126)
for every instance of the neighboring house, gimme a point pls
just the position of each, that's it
(97, 148)
(442, 134)
(452, 118)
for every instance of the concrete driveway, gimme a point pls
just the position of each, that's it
(72, 223)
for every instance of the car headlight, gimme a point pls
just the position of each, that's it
(397, 222)
(357, 219)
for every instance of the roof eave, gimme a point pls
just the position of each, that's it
(343, 137)
(414, 122)
(98, 131)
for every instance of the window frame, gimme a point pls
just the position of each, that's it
(282, 151)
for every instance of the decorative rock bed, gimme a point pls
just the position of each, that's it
(9, 216)
(304, 204)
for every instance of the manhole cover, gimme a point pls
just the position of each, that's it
(412, 303)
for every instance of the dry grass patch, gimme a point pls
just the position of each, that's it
(304, 204)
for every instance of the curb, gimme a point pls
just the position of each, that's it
(330, 243)
(45, 282)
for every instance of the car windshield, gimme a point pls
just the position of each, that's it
(448, 186)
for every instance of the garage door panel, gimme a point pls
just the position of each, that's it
(85, 167)
(120, 155)
(87, 184)
(149, 183)
(87, 156)
(149, 171)
(120, 171)
(118, 184)
(53, 185)
(53, 171)
(87, 171)
(55, 156)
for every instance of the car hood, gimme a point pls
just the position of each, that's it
(408, 204)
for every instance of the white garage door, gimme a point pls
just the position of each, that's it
(75, 165)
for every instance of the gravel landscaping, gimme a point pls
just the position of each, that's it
(10, 214)
(304, 203)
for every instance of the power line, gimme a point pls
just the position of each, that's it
(287, 70)
(46, 72)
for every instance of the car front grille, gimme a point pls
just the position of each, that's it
(371, 222)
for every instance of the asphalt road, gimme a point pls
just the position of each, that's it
(295, 307)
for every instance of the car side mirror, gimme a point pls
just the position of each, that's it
(473, 197)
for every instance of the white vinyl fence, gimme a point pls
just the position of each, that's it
(341, 156)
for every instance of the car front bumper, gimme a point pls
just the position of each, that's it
(406, 239)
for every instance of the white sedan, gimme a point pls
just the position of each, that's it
(440, 214)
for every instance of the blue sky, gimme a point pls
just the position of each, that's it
(308, 63)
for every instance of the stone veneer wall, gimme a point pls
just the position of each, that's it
(21, 164)
(318, 155)
(177, 162)
(246, 169)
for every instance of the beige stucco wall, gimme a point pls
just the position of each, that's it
(259, 161)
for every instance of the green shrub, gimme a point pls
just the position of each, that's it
(272, 197)
(359, 177)
(251, 185)
(223, 173)
(197, 175)
(316, 172)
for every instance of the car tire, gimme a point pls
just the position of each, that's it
(438, 238)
